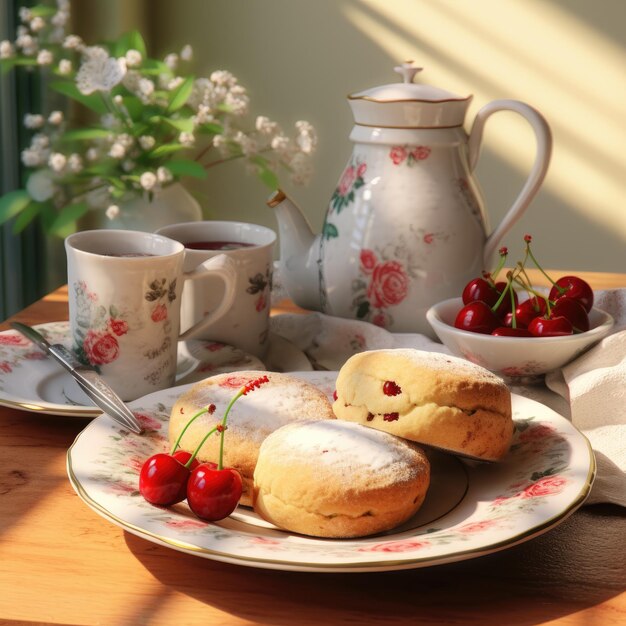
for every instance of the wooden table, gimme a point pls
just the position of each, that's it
(61, 563)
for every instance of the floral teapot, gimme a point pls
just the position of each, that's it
(406, 226)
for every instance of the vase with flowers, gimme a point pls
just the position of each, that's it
(152, 124)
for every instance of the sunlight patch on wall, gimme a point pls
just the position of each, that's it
(561, 66)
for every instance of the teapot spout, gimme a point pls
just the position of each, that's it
(299, 253)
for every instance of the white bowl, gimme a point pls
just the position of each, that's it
(515, 358)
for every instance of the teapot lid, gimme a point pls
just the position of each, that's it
(408, 105)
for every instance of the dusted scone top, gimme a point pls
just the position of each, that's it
(253, 417)
(427, 397)
(336, 479)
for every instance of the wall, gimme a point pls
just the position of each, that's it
(299, 59)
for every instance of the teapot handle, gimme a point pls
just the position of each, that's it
(537, 173)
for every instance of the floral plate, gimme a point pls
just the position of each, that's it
(471, 508)
(32, 381)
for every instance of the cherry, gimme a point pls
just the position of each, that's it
(505, 305)
(550, 326)
(507, 331)
(477, 317)
(480, 289)
(182, 456)
(526, 311)
(391, 388)
(213, 494)
(574, 311)
(163, 480)
(575, 288)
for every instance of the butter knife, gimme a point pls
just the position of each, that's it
(87, 377)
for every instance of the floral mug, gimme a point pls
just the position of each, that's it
(124, 291)
(251, 248)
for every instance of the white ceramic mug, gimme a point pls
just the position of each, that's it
(251, 249)
(124, 291)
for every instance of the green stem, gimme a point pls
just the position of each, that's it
(499, 267)
(187, 425)
(509, 280)
(197, 450)
(513, 320)
(534, 260)
(220, 464)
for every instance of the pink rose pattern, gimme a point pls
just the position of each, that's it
(344, 194)
(386, 285)
(408, 155)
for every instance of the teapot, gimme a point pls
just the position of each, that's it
(406, 225)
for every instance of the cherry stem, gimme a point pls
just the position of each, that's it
(187, 425)
(220, 464)
(197, 450)
(500, 265)
(513, 320)
(509, 280)
(534, 260)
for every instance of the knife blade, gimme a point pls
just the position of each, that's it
(87, 378)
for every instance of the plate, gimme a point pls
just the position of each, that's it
(32, 381)
(471, 508)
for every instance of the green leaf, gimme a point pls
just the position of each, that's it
(184, 125)
(167, 148)
(66, 219)
(13, 203)
(330, 231)
(186, 167)
(86, 133)
(180, 95)
(29, 213)
(363, 310)
(269, 178)
(129, 41)
(211, 128)
(41, 10)
(154, 67)
(93, 101)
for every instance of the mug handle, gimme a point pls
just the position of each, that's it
(225, 268)
(537, 173)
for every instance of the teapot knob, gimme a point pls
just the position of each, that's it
(407, 71)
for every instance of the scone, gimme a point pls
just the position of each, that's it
(336, 479)
(427, 397)
(253, 417)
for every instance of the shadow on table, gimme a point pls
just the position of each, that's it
(579, 564)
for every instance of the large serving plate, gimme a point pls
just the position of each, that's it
(32, 381)
(471, 508)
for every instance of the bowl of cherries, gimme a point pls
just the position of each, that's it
(516, 330)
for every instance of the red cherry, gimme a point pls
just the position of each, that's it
(163, 480)
(479, 289)
(391, 388)
(477, 317)
(574, 311)
(507, 331)
(505, 305)
(213, 494)
(550, 327)
(576, 288)
(182, 456)
(528, 310)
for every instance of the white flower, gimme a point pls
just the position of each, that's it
(60, 18)
(37, 24)
(39, 141)
(148, 180)
(57, 161)
(64, 5)
(75, 163)
(301, 169)
(223, 78)
(147, 142)
(237, 102)
(117, 151)
(133, 58)
(307, 137)
(186, 54)
(118, 99)
(31, 157)
(27, 44)
(281, 144)
(146, 87)
(99, 71)
(57, 35)
(73, 42)
(265, 126)
(109, 121)
(25, 14)
(164, 176)
(65, 67)
(112, 211)
(33, 120)
(56, 117)
(171, 60)
(45, 57)
(187, 139)
(92, 154)
(40, 186)
(128, 165)
(175, 82)
(125, 139)
(6, 49)
(248, 145)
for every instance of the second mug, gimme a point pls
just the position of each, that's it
(251, 247)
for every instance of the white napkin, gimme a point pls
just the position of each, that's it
(592, 388)
(595, 386)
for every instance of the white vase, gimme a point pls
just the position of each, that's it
(169, 205)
